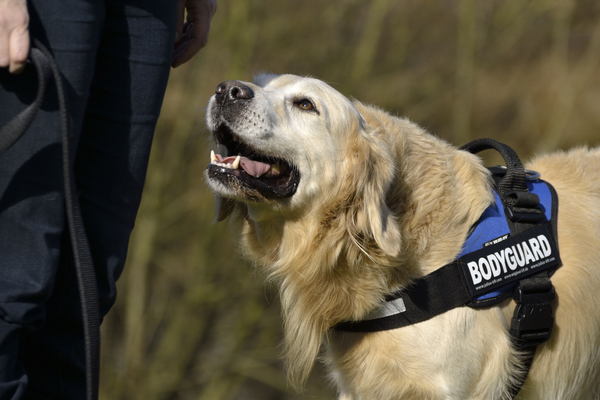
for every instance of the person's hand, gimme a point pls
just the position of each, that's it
(193, 24)
(14, 34)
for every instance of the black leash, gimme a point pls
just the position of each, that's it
(46, 67)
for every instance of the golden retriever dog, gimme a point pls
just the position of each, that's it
(343, 204)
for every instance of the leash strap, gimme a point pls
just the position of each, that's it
(13, 130)
(46, 67)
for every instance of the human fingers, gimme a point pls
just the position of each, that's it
(18, 49)
(4, 49)
(196, 29)
(14, 35)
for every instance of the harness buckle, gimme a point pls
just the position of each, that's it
(533, 318)
(523, 207)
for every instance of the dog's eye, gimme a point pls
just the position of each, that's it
(305, 105)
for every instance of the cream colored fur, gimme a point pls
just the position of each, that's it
(384, 202)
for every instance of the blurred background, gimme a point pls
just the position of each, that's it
(193, 319)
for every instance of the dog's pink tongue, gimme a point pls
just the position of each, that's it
(254, 168)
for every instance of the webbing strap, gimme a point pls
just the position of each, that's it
(46, 67)
(532, 322)
(431, 295)
(454, 285)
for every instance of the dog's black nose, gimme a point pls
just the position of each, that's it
(230, 91)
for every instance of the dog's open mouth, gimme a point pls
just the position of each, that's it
(249, 170)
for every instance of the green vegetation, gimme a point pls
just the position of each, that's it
(194, 320)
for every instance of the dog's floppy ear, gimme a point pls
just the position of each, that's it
(380, 175)
(382, 223)
(376, 174)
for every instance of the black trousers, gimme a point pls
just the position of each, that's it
(115, 57)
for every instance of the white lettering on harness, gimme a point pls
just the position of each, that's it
(519, 255)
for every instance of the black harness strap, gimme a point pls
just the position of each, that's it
(448, 287)
(45, 65)
(532, 321)
(434, 294)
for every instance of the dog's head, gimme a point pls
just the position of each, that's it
(290, 142)
(280, 138)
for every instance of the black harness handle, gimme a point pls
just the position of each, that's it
(46, 67)
(522, 207)
(515, 178)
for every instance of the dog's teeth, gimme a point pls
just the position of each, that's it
(275, 169)
(213, 158)
(236, 163)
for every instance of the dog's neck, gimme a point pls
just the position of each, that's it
(328, 273)
(450, 189)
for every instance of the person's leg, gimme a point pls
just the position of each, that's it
(31, 201)
(125, 100)
(132, 71)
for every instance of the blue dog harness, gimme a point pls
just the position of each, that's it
(511, 251)
(525, 258)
